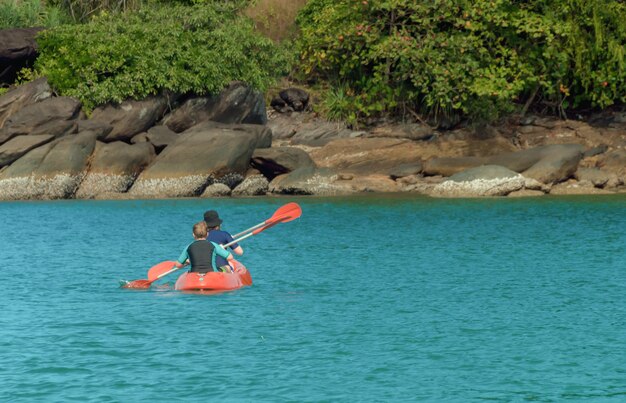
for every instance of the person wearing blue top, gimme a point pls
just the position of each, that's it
(213, 223)
(202, 254)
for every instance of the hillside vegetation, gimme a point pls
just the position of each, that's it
(441, 60)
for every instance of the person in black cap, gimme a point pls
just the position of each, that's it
(213, 223)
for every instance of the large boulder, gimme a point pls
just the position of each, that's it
(367, 156)
(130, 117)
(201, 156)
(20, 145)
(22, 96)
(548, 164)
(238, 103)
(558, 163)
(159, 136)
(255, 185)
(18, 49)
(306, 181)
(114, 167)
(275, 161)
(52, 116)
(487, 180)
(52, 171)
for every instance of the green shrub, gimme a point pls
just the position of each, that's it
(480, 58)
(29, 13)
(185, 49)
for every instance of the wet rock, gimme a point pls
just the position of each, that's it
(114, 168)
(52, 116)
(22, 96)
(130, 117)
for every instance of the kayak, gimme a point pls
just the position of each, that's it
(215, 281)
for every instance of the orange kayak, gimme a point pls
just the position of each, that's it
(215, 281)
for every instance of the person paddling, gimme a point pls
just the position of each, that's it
(201, 254)
(213, 223)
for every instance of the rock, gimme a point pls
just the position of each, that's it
(238, 103)
(559, 163)
(216, 190)
(256, 185)
(52, 116)
(20, 145)
(290, 100)
(100, 129)
(596, 176)
(130, 117)
(114, 168)
(320, 134)
(22, 96)
(526, 193)
(159, 136)
(201, 156)
(488, 180)
(601, 149)
(576, 188)
(306, 181)
(412, 131)
(449, 166)
(272, 162)
(366, 156)
(614, 161)
(403, 170)
(52, 171)
(18, 49)
(285, 126)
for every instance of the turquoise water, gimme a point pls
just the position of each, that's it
(362, 299)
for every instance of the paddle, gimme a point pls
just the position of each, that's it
(286, 213)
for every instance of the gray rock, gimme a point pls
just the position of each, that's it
(114, 168)
(52, 171)
(101, 129)
(130, 117)
(22, 96)
(596, 176)
(20, 145)
(52, 116)
(272, 162)
(306, 181)
(201, 156)
(238, 103)
(18, 49)
(488, 180)
(256, 185)
(406, 170)
(320, 134)
(216, 190)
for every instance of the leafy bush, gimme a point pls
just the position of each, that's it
(479, 58)
(184, 49)
(29, 13)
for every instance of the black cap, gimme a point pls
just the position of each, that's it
(212, 219)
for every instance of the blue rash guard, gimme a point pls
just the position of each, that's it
(221, 238)
(202, 256)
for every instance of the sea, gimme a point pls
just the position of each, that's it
(375, 298)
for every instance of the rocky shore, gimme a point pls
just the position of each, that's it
(232, 145)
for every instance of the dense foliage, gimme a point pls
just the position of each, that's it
(30, 13)
(451, 58)
(198, 48)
